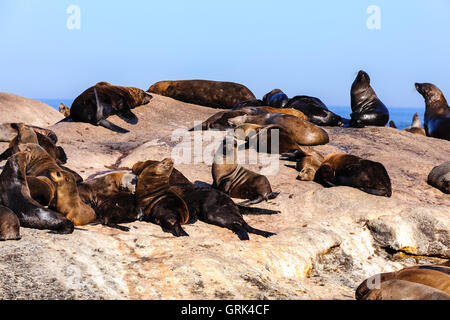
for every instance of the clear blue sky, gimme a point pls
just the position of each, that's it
(303, 47)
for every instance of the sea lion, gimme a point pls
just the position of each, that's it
(302, 132)
(434, 276)
(437, 112)
(276, 98)
(9, 225)
(155, 201)
(349, 170)
(213, 206)
(315, 110)
(367, 109)
(64, 109)
(255, 110)
(415, 126)
(66, 199)
(308, 161)
(439, 177)
(15, 195)
(237, 181)
(213, 94)
(99, 102)
(26, 134)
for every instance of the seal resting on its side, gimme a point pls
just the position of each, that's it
(214, 94)
(367, 109)
(437, 112)
(99, 102)
(9, 225)
(315, 110)
(439, 177)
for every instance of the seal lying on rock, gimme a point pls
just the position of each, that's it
(237, 181)
(9, 130)
(26, 134)
(99, 102)
(214, 94)
(439, 177)
(9, 225)
(276, 98)
(349, 170)
(308, 161)
(437, 111)
(414, 128)
(315, 110)
(155, 201)
(15, 195)
(367, 109)
(433, 280)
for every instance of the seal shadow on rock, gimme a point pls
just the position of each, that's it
(437, 111)
(367, 108)
(9, 225)
(99, 102)
(15, 195)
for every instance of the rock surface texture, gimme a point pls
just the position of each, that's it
(328, 239)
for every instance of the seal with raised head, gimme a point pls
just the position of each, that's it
(276, 98)
(315, 110)
(65, 110)
(367, 109)
(66, 199)
(155, 201)
(213, 206)
(437, 112)
(237, 181)
(213, 94)
(302, 132)
(9, 225)
(15, 195)
(26, 134)
(341, 169)
(439, 177)
(99, 102)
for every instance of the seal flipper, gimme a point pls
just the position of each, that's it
(253, 201)
(240, 231)
(265, 234)
(256, 211)
(6, 154)
(129, 117)
(106, 124)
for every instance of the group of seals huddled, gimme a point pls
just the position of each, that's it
(38, 191)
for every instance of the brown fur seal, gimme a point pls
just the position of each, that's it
(155, 200)
(42, 189)
(99, 102)
(64, 109)
(414, 128)
(349, 170)
(434, 276)
(27, 134)
(214, 94)
(439, 177)
(9, 130)
(367, 109)
(237, 181)
(213, 206)
(276, 98)
(308, 161)
(315, 110)
(66, 199)
(9, 225)
(437, 111)
(255, 110)
(302, 132)
(15, 195)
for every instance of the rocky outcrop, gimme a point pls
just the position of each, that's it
(328, 239)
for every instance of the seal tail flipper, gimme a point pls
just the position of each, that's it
(272, 195)
(179, 232)
(256, 211)
(129, 117)
(249, 202)
(116, 226)
(6, 154)
(111, 126)
(241, 232)
(265, 234)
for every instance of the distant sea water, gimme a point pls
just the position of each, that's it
(401, 116)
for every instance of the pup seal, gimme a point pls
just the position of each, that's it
(26, 134)
(276, 98)
(437, 112)
(213, 206)
(349, 170)
(315, 110)
(367, 109)
(99, 102)
(213, 94)
(439, 177)
(15, 195)
(9, 225)
(155, 201)
(302, 132)
(237, 181)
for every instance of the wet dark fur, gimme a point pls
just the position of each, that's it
(315, 110)
(276, 99)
